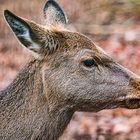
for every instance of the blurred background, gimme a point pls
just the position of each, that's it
(114, 25)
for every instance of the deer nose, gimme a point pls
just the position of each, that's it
(133, 101)
(135, 84)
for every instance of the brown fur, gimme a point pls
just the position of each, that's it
(40, 102)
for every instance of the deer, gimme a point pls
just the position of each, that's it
(68, 73)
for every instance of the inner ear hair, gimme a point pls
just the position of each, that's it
(54, 14)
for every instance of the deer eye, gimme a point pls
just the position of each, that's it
(89, 63)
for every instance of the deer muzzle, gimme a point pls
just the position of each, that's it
(133, 100)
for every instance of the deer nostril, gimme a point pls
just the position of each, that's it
(133, 103)
(135, 83)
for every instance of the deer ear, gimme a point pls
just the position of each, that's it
(22, 30)
(53, 14)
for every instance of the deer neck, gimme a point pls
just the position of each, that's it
(55, 126)
(25, 89)
(24, 107)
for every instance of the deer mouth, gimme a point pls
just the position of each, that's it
(133, 103)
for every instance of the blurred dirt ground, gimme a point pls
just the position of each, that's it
(115, 26)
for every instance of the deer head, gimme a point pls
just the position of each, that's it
(76, 73)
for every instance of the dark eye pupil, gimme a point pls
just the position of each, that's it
(89, 63)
